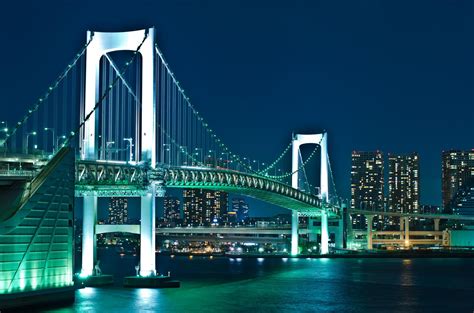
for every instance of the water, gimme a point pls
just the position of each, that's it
(289, 285)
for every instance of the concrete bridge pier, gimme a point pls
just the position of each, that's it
(370, 219)
(340, 234)
(324, 233)
(436, 227)
(148, 233)
(294, 233)
(313, 233)
(406, 221)
(88, 235)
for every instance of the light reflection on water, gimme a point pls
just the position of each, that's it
(276, 285)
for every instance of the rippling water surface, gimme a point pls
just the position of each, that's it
(289, 285)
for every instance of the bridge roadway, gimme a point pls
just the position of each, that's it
(115, 178)
(135, 229)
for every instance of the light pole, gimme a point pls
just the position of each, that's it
(184, 150)
(107, 144)
(4, 129)
(197, 149)
(52, 132)
(250, 166)
(28, 136)
(215, 156)
(130, 144)
(59, 138)
(226, 160)
(258, 165)
(169, 152)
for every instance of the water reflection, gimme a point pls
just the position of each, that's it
(300, 285)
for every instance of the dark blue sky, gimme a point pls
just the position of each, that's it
(391, 75)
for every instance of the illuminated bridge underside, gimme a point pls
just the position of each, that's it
(253, 186)
(108, 179)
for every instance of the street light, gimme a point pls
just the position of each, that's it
(258, 165)
(4, 129)
(196, 149)
(248, 160)
(107, 144)
(169, 152)
(27, 136)
(130, 144)
(215, 157)
(52, 131)
(184, 150)
(59, 138)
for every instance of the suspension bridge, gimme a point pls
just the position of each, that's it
(119, 111)
(135, 132)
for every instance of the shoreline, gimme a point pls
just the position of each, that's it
(371, 255)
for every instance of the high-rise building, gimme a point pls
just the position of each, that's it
(239, 212)
(172, 212)
(463, 201)
(192, 206)
(118, 211)
(404, 183)
(366, 184)
(204, 207)
(457, 170)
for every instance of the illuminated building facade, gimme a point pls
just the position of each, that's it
(204, 207)
(172, 212)
(367, 183)
(463, 200)
(404, 183)
(457, 170)
(118, 211)
(239, 212)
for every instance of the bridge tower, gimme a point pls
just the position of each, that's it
(321, 140)
(102, 43)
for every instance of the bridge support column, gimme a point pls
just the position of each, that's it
(324, 233)
(436, 227)
(340, 234)
(407, 231)
(88, 235)
(370, 219)
(147, 234)
(312, 234)
(294, 233)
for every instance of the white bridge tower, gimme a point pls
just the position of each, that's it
(321, 140)
(101, 44)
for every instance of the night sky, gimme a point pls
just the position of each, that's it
(397, 76)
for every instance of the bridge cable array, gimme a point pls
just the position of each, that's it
(106, 93)
(9, 133)
(184, 137)
(209, 136)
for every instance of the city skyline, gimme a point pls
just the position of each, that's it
(349, 68)
(243, 153)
